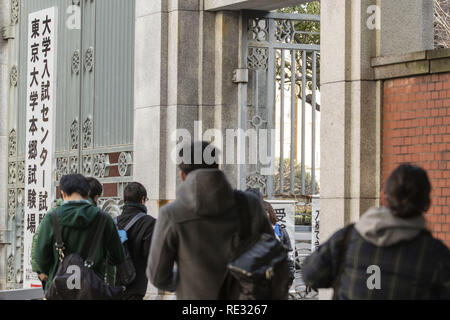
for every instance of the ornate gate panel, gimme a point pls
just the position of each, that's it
(282, 56)
(94, 104)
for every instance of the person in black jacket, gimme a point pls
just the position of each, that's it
(282, 235)
(139, 236)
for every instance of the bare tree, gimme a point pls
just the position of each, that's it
(442, 23)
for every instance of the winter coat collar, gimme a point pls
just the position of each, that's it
(381, 228)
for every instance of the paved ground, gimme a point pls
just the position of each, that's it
(303, 247)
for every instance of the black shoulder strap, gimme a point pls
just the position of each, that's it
(59, 244)
(96, 241)
(341, 259)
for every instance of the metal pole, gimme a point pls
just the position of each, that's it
(303, 120)
(282, 122)
(313, 135)
(293, 115)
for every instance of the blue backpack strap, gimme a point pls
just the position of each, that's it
(134, 220)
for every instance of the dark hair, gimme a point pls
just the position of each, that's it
(200, 162)
(134, 192)
(408, 191)
(95, 187)
(72, 183)
(269, 210)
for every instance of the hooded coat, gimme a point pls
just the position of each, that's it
(386, 258)
(76, 221)
(195, 233)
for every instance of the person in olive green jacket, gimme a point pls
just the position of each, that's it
(75, 216)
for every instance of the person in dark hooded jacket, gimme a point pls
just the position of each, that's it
(389, 253)
(196, 231)
(139, 236)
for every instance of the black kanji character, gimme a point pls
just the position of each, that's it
(32, 149)
(31, 199)
(33, 127)
(32, 174)
(33, 99)
(46, 42)
(46, 22)
(31, 225)
(35, 28)
(34, 73)
(45, 88)
(43, 197)
(34, 52)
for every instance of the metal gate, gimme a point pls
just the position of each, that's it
(282, 56)
(94, 105)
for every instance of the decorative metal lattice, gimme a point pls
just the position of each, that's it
(257, 58)
(73, 165)
(74, 135)
(12, 173)
(12, 143)
(89, 59)
(14, 11)
(101, 165)
(124, 164)
(87, 165)
(87, 133)
(21, 172)
(257, 181)
(76, 59)
(10, 267)
(62, 167)
(14, 76)
(258, 29)
(21, 197)
(285, 30)
(11, 203)
(112, 206)
(257, 121)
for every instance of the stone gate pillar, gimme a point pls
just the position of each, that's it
(184, 62)
(351, 33)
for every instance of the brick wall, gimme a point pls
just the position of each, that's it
(416, 129)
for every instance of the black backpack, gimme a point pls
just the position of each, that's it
(126, 272)
(75, 279)
(259, 267)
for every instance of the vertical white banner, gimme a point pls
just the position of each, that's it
(315, 221)
(41, 101)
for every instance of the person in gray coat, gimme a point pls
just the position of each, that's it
(197, 231)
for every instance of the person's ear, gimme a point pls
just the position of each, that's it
(63, 195)
(95, 199)
(182, 175)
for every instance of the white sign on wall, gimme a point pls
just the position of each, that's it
(285, 212)
(39, 160)
(315, 223)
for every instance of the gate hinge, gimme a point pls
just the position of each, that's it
(5, 236)
(240, 76)
(8, 32)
